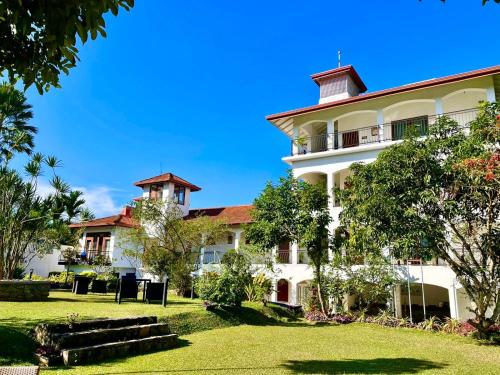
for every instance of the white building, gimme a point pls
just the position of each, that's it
(106, 237)
(348, 126)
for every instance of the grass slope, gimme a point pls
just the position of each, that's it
(254, 340)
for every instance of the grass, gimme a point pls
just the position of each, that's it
(253, 342)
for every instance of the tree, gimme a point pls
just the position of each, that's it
(167, 244)
(294, 211)
(31, 225)
(38, 39)
(438, 196)
(16, 135)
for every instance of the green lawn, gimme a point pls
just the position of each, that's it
(259, 347)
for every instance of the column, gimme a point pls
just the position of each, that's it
(237, 238)
(330, 135)
(330, 184)
(294, 247)
(397, 301)
(295, 146)
(380, 124)
(490, 94)
(292, 299)
(452, 297)
(438, 102)
(274, 291)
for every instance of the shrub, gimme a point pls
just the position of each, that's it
(62, 279)
(90, 274)
(316, 316)
(259, 287)
(228, 287)
(34, 277)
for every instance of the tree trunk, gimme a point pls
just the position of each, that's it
(318, 284)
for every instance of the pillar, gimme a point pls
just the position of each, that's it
(330, 135)
(330, 184)
(295, 146)
(294, 247)
(397, 301)
(490, 94)
(438, 102)
(237, 239)
(452, 297)
(380, 124)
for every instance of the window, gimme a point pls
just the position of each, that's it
(229, 239)
(156, 191)
(400, 127)
(179, 194)
(97, 244)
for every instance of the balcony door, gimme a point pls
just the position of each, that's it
(350, 139)
(400, 127)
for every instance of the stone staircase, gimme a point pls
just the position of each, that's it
(95, 340)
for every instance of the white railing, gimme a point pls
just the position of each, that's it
(392, 131)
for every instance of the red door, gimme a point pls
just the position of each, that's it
(282, 291)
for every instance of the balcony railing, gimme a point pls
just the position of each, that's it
(392, 131)
(90, 257)
(284, 256)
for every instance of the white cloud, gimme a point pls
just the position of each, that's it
(98, 199)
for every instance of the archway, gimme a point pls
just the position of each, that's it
(303, 290)
(282, 291)
(434, 298)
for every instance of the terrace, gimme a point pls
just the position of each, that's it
(394, 130)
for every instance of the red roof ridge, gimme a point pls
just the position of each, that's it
(166, 177)
(349, 69)
(390, 91)
(220, 207)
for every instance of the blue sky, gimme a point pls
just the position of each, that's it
(184, 86)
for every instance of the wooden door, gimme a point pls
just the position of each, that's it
(282, 291)
(350, 139)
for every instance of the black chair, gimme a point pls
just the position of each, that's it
(99, 286)
(81, 284)
(157, 292)
(127, 289)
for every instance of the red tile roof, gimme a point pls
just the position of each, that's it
(109, 221)
(396, 90)
(230, 215)
(167, 177)
(349, 69)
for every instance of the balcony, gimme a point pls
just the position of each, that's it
(284, 256)
(91, 257)
(393, 131)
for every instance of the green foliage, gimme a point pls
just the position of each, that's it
(16, 135)
(258, 288)
(34, 277)
(89, 274)
(295, 211)
(228, 287)
(166, 244)
(62, 278)
(39, 40)
(438, 196)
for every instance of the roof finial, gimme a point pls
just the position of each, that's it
(339, 53)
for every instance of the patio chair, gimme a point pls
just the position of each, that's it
(19, 370)
(81, 284)
(99, 286)
(157, 292)
(127, 289)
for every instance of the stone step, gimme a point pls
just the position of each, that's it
(101, 336)
(94, 353)
(45, 331)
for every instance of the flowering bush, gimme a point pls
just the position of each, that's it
(316, 316)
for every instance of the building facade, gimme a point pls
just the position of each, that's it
(351, 126)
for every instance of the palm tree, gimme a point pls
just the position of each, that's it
(16, 135)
